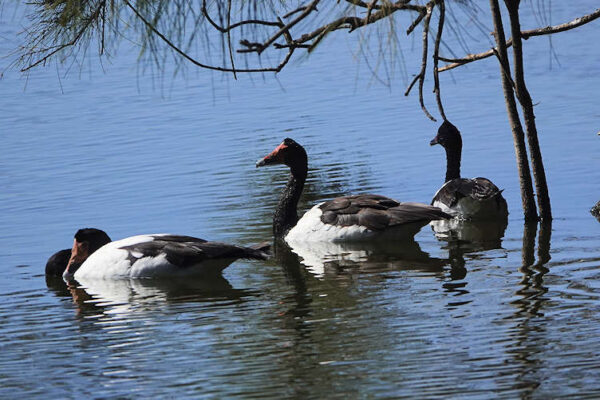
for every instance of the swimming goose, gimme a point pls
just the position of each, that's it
(57, 263)
(94, 256)
(345, 218)
(475, 198)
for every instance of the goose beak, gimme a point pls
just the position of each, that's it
(79, 253)
(275, 157)
(434, 141)
(268, 160)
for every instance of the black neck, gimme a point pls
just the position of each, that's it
(286, 215)
(453, 163)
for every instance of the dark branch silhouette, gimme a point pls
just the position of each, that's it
(577, 22)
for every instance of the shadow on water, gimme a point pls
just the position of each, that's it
(531, 329)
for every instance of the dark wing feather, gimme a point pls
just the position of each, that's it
(375, 212)
(179, 238)
(186, 251)
(477, 188)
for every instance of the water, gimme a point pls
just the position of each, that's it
(131, 153)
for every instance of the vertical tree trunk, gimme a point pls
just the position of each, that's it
(537, 164)
(527, 198)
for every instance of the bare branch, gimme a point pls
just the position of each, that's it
(229, 38)
(237, 24)
(505, 68)
(436, 51)
(548, 30)
(352, 23)
(297, 10)
(416, 22)
(310, 8)
(421, 75)
(192, 60)
(457, 62)
(370, 7)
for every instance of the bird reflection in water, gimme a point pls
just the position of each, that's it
(334, 258)
(124, 295)
(466, 236)
(471, 235)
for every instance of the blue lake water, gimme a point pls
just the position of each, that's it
(114, 148)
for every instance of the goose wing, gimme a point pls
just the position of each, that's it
(376, 212)
(187, 251)
(476, 188)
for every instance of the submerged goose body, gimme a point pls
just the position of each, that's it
(466, 198)
(347, 218)
(155, 255)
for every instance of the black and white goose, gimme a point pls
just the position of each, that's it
(347, 218)
(94, 255)
(474, 198)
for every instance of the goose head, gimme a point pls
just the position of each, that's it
(85, 243)
(448, 137)
(289, 153)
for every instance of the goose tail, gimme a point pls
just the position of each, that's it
(260, 251)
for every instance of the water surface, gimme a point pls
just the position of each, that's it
(516, 316)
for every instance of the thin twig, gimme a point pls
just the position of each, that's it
(103, 26)
(297, 10)
(436, 51)
(229, 38)
(352, 23)
(505, 68)
(192, 60)
(310, 8)
(416, 22)
(548, 30)
(421, 75)
(73, 42)
(457, 62)
(233, 26)
(370, 7)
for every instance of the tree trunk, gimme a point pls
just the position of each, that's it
(527, 198)
(539, 175)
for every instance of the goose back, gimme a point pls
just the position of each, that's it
(471, 197)
(362, 217)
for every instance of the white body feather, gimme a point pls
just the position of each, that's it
(110, 261)
(310, 228)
